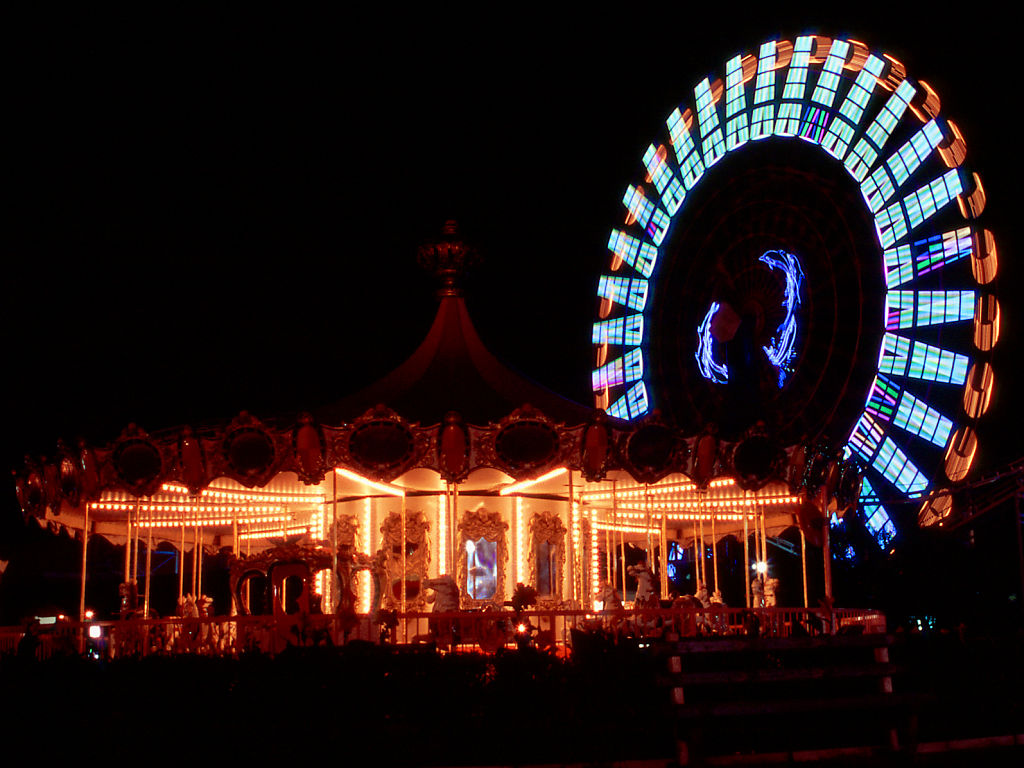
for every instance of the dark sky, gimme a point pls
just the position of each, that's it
(212, 214)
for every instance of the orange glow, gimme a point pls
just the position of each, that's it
(952, 150)
(516, 487)
(973, 204)
(783, 54)
(960, 455)
(978, 391)
(925, 104)
(895, 75)
(393, 490)
(984, 260)
(986, 322)
(661, 154)
(822, 45)
(859, 54)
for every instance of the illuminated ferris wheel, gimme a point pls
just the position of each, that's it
(800, 246)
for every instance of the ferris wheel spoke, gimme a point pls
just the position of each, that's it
(903, 356)
(891, 403)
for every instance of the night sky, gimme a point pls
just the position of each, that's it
(207, 215)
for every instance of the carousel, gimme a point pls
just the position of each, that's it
(388, 510)
(807, 329)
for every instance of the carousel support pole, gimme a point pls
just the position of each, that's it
(608, 560)
(613, 573)
(329, 597)
(746, 551)
(405, 622)
(764, 543)
(714, 550)
(647, 523)
(135, 549)
(181, 565)
(149, 572)
(454, 528)
(827, 553)
(664, 554)
(573, 569)
(696, 558)
(622, 564)
(803, 564)
(127, 547)
(199, 561)
(81, 593)
(235, 552)
(703, 551)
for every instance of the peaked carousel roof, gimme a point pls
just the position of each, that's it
(452, 407)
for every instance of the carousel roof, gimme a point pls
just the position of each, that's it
(452, 370)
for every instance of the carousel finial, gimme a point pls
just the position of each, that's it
(448, 257)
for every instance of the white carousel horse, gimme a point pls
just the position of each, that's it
(644, 581)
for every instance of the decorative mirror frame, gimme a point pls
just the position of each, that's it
(417, 531)
(547, 526)
(481, 524)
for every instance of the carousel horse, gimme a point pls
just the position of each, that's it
(611, 601)
(644, 581)
(688, 607)
(757, 593)
(702, 594)
(446, 597)
(608, 597)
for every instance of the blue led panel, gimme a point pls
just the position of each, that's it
(901, 356)
(707, 119)
(896, 467)
(669, 187)
(625, 331)
(909, 157)
(919, 418)
(737, 130)
(788, 121)
(876, 518)
(922, 204)
(899, 265)
(828, 81)
(940, 307)
(866, 436)
(891, 225)
(882, 400)
(864, 153)
(916, 309)
(931, 363)
(621, 370)
(626, 291)
(691, 165)
(631, 405)
(841, 131)
(654, 220)
(891, 403)
(639, 255)
(935, 252)
(762, 119)
(906, 262)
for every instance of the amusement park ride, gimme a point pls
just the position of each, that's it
(795, 321)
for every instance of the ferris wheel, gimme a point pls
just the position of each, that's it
(801, 246)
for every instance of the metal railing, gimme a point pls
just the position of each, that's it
(473, 630)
